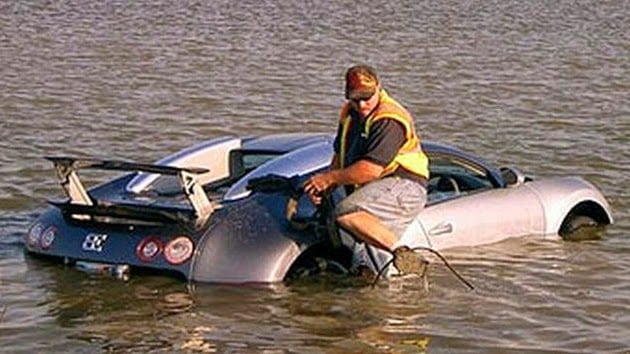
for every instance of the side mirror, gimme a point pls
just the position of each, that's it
(512, 176)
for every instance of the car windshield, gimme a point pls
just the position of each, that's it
(452, 176)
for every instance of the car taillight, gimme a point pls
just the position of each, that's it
(34, 235)
(178, 250)
(148, 248)
(48, 237)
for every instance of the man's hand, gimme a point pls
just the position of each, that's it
(319, 184)
(360, 172)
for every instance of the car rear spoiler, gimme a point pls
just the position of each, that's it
(80, 201)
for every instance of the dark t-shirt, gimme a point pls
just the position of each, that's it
(380, 146)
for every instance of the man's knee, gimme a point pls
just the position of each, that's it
(346, 220)
(355, 218)
(350, 220)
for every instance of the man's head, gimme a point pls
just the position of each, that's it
(361, 82)
(362, 88)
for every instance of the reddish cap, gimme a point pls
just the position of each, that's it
(361, 82)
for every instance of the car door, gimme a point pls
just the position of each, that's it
(466, 209)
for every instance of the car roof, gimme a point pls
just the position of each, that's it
(284, 142)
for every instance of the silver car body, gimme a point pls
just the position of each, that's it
(488, 214)
(242, 236)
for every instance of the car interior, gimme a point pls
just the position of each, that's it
(453, 177)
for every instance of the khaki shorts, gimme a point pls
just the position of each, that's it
(394, 200)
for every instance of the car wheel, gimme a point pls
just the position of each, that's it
(578, 228)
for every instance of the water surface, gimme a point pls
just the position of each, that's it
(539, 85)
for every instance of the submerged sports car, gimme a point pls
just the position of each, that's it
(230, 210)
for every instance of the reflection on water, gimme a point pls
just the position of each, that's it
(521, 298)
(538, 85)
(155, 313)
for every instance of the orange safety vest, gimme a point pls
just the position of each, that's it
(410, 156)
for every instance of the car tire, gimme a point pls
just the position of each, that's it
(578, 228)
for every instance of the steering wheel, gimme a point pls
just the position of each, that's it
(447, 183)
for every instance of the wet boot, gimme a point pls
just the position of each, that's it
(409, 262)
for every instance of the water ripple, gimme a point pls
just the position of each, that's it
(538, 85)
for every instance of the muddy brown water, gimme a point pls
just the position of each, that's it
(540, 85)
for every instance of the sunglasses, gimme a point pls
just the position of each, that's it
(364, 96)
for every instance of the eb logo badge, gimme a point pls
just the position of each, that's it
(94, 242)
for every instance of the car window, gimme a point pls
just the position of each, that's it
(453, 176)
(252, 160)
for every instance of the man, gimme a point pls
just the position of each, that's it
(379, 160)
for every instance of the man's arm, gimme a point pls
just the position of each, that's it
(384, 141)
(334, 163)
(360, 172)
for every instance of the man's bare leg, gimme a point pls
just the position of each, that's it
(369, 229)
